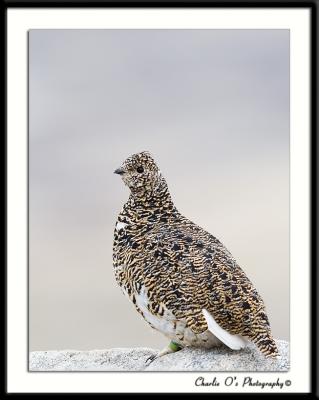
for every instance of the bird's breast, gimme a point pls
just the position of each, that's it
(120, 226)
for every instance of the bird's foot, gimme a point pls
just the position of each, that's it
(171, 348)
(150, 359)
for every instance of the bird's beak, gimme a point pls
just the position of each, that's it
(119, 171)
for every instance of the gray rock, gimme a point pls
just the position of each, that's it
(187, 359)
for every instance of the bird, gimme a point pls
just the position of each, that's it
(182, 280)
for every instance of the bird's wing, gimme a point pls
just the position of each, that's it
(188, 270)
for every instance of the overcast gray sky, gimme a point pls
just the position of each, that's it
(213, 108)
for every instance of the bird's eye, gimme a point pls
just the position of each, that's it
(140, 170)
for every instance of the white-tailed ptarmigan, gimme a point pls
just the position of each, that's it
(181, 279)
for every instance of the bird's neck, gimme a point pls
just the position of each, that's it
(156, 200)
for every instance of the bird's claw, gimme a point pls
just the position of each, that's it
(151, 359)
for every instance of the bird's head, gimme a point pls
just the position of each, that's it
(140, 172)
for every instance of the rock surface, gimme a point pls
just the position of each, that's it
(187, 359)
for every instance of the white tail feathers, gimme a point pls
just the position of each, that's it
(234, 342)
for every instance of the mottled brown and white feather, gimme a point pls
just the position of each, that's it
(178, 275)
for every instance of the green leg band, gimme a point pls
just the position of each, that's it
(174, 346)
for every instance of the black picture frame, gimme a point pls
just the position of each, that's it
(313, 7)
